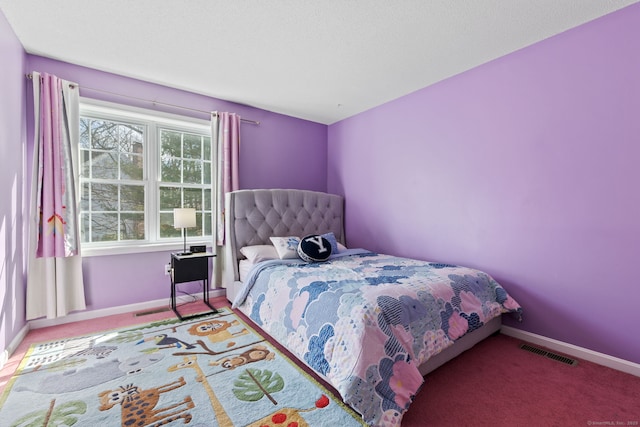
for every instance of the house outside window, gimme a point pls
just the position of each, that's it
(136, 166)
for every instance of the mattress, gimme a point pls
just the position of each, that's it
(244, 268)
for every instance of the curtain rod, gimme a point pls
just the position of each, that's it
(254, 122)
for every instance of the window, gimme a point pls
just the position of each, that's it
(185, 180)
(135, 168)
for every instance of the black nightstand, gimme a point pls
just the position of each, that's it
(191, 268)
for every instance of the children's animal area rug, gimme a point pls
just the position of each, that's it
(208, 371)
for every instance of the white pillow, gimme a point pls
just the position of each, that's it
(287, 247)
(341, 247)
(259, 253)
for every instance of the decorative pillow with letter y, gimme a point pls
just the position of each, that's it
(314, 248)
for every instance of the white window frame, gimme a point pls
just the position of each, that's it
(153, 121)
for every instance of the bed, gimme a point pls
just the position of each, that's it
(370, 324)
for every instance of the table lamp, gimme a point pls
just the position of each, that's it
(184, 218)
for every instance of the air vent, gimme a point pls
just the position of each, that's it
(146, 313)
(548, 354)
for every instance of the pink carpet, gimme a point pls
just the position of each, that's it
(498, 384)
(494, 384)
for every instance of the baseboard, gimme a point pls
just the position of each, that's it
(13, 345)
(575, 351)
(93, 314)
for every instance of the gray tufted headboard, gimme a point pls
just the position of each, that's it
(252, 216)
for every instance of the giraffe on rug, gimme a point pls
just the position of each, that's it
(191, 362)
(139, 406)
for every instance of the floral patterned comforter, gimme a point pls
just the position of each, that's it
(366, 321)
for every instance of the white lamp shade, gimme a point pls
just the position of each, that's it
(184, 217)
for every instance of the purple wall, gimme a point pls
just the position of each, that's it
(282, 152)
(12, 200)
(526, 167)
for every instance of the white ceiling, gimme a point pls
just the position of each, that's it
(318, 60)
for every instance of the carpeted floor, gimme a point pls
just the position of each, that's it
(498, 384)
(494, 384)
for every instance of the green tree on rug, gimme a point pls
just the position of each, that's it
(133, 335)
(253, 384)
(63, 415)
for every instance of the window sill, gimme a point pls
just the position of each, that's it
(142, 248)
